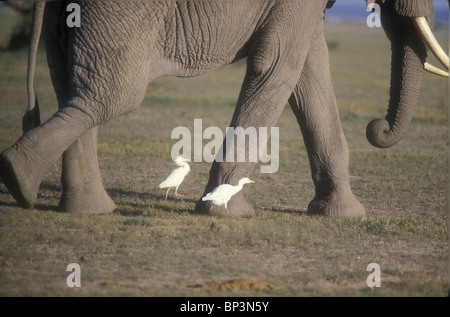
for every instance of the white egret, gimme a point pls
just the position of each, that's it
(222, 193)
(176, 176)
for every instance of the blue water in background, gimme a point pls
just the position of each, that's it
(355, 11)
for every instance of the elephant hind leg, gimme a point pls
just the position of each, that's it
(83, 190)
(314, 104)
(14, 174)
(23, 165)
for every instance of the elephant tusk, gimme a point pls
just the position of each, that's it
(430, 41)
(434, 70)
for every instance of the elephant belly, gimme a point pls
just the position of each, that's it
(184, 38)
(200, 36)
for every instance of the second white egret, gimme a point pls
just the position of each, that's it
(223, 193)
(176, 176)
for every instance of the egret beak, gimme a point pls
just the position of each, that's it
(433, 45)
(252, 181)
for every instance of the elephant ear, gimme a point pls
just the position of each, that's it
(414, 9)
(410, 8)
(331, 2)
(374, 1)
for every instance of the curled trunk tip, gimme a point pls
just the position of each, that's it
(380, 134)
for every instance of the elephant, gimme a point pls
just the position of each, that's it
(101, 70)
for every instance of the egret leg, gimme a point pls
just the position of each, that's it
(178, 195)
(167, 193)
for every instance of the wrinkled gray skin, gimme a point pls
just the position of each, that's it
(102, 70)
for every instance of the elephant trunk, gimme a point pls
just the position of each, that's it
(408, 58)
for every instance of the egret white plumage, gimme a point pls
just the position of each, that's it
(223, 193)
(176, 176)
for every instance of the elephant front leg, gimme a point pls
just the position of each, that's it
(83, 190)
(269, 81)
(314, 104)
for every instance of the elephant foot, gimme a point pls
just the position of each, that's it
(91, 200)
(17, 175)
(237, 207)
(337, 205)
